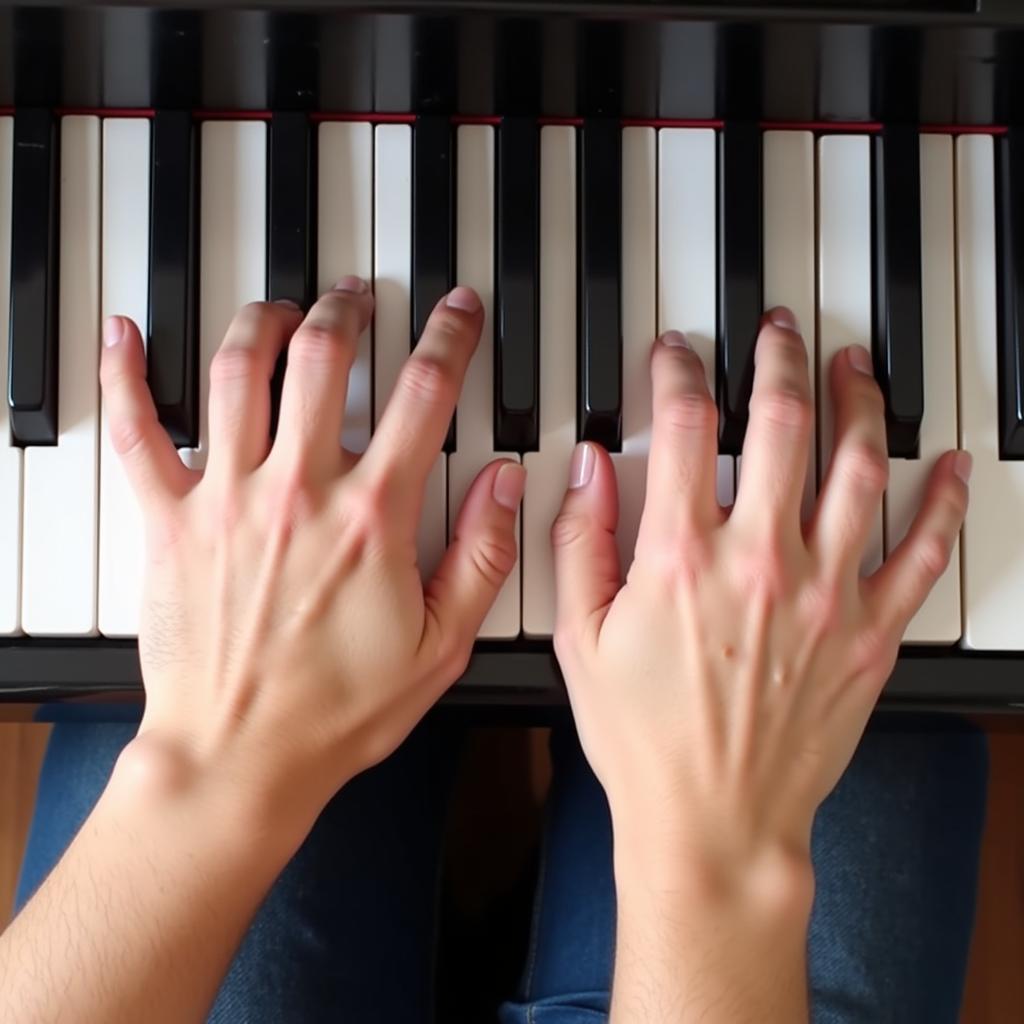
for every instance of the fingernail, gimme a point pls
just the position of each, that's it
(353, 284)
(860, 359)
(963, 463)
(509, 482)
(113, 331)
(581, 469)
(782, 316)
(288, 304)
(676, 339)
(463, 298)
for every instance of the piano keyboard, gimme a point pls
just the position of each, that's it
(584, 242)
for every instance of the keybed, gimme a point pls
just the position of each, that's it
(584, 241)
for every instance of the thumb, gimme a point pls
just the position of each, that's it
(583, 536)
(481, 554)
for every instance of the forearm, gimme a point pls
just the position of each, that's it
(704, 944)
(142, 915)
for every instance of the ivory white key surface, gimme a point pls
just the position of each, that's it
(688, 253)
(59, 551)
(392, 286)
(548, 468)
(475, 417)
(992, 539)
(844, 281)
(10, 454)
(938, 620)
(232, 243)
(789, 251)
(125, 290)
(639, 325)
(345, 246)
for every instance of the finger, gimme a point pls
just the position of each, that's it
(779, 430)
(682, 465)
(320, 356)
(480, 557)
(859, 469)
(240, 372)
(587, 575)
(156, 474)
(900, 587)
(415, 421)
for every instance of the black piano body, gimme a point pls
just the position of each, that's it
(956, 64)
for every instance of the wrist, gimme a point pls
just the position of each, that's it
(769, 882)
(217, 801)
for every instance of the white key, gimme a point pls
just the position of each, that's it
(789, 250)
(475, 420)
(125, 290)
(688, 253)
(844, 281)
(10, 454)
(938, 620)
(392, 286)
(992, 539)
(59, 551)
(345, 246)
(232, 243)
(547, 469)
(639, 324)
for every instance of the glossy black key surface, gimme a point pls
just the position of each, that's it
(290, 270)
(599, 355)
(740, 294)
(516, 302)
(173, 349)
(433, 224)
(1010, 259)
(898, 358)
(32, 356)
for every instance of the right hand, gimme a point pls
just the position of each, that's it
(720, 693)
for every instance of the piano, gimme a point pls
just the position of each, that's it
(599, 172)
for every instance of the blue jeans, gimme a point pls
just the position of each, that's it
(348, 931)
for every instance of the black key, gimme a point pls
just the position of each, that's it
(433, 235)
(898, 359)
(173, 349)
(32, 368)
(740, 296)
(1010, 279)
(599, 355)
(517, 344)
(290, 271)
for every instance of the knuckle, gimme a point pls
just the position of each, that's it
(128, 434)
(568, 529)
(427, 380)
(821, 606)
(494, 555)
(448, 325)
(866, 467)
(233, 363)
(688, 412)
(873, 650)
(316, 344)
(932, 553)
(791, 410)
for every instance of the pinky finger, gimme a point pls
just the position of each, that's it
(903, 583)
(154, 470)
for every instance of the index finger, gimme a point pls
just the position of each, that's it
(415, 421)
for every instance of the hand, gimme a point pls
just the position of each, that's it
(286, 637)
(720, 693)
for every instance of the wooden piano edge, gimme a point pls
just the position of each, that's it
(518, 679)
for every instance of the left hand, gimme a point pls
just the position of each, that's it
(287, 641)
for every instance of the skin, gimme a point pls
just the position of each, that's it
(721, 691)
(288, 643)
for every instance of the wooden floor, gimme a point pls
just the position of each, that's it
(995, 989)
